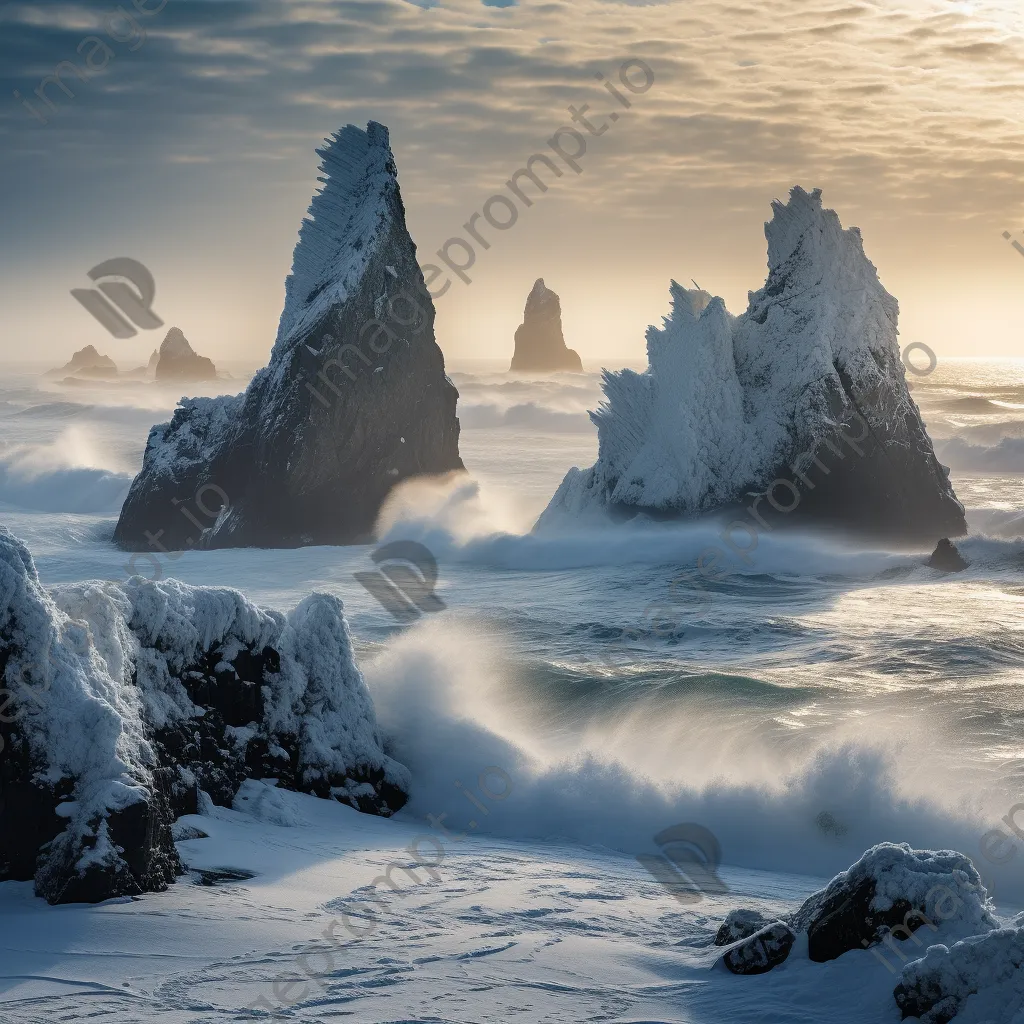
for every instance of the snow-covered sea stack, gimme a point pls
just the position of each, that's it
(126, 703)
(798, 410)
(540, 346)
(178, 361)
(354, 400)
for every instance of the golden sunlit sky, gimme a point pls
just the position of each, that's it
(192, 151)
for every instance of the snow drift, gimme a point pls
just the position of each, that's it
(799, 407)
(123, 703)
(354, 399)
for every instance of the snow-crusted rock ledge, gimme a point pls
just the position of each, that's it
(796, 411)
(122, 703)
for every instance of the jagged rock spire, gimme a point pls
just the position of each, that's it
(730, 405)
(354, 399)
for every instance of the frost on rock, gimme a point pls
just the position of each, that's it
(979, 980)
(895, 890)
(801, 400)
(309, 452)
(132, 704)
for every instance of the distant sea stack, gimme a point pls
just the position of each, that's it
(87, 362)
(176, 360)
(540, 347)
(354, 399)
(797, 411)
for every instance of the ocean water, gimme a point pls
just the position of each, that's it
(821, 697)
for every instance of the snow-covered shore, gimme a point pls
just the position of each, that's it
(509, 931)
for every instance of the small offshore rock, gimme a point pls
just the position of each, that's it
(946, 557)
(87, 362)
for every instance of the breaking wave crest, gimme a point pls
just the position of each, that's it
(452, 707)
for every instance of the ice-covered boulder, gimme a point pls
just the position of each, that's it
(978, 980)
(892, 890)
(177, 360)
(354, 399)
(123, 702)
(740, 924)
(87, 362)
(797, 410)
(540, 346)
(890, 893)
(768, 947)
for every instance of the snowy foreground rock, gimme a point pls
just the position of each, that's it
(796, 410)
(979, 979)
(354, 399)
(540, 345)
(124, 703)
(891, 894)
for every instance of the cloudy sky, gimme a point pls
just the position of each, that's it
(193, 151)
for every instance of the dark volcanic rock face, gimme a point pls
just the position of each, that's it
(796, 412)
(946, 557)
(540, 346)
(354, 400)
(176, 360)
(123, 703)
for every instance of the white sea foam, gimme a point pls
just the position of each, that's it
(446, 699)
(70, 474)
